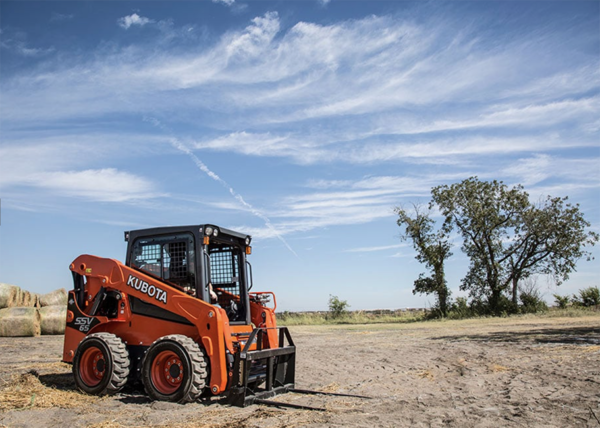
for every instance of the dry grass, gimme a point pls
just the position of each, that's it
(332, 387)
(496, 368)
(26, 391)
(425, 374)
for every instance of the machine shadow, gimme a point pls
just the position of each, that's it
(61, 381)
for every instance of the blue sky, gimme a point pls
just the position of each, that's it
(302, 123)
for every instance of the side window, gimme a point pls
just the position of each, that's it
(170, 258)
(148, 257)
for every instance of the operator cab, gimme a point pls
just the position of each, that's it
(195, 259)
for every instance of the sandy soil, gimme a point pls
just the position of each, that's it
(476, 373)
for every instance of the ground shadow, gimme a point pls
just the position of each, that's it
(571, 335)
(133, 397)
(62, 381)
(132, 393)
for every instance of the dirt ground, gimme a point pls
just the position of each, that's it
(477, 373)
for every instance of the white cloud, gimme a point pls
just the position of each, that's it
(133, 19)
(235, 6)
(225, 2)
(105, 185)
(66, 165)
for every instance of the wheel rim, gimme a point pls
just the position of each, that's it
(167, 372)
(92, 366)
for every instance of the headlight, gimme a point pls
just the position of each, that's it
(216, 232)
(248, 240)
(208, 230)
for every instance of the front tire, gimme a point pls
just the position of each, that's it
(101, 364)
(175, 369)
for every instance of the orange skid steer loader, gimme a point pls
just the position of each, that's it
(178, 316)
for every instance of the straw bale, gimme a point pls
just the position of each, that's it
(13, 296)
(53, 319)
(19, 321)
(29, 300)
(54, 298)
(8, 295)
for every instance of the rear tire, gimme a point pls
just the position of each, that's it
(175, 369)
(101, 364)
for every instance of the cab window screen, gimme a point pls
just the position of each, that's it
(169, 258)
(224, 267)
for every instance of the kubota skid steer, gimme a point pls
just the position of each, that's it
(178, 316)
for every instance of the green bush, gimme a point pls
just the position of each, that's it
(337, 307)
(587, 297)
(460, 309)
(562, 302)
(532, 302)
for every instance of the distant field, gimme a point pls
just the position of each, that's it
(405, 316)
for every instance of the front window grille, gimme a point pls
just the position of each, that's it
(224, 270)
(225, 278)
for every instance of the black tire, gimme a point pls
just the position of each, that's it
(175, 369)
(101, 364)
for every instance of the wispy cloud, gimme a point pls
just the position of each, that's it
(535, 170)
(17, 42)
(414, 94)
(388, 90)
(105, 185)
(61, 17)
(370, 68)
(57, 168)
(373, 249)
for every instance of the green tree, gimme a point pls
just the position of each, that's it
(433, 249)
(507, 238)
(337, 307)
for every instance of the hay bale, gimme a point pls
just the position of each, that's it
(55, 298)
(13, 296)
(19, 321)
(29, 300)
(8, 295)
(53, 319)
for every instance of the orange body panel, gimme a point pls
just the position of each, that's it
(210, 324)
(264, 317)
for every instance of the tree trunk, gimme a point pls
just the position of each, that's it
(515, 291)
(443, 301)
(495, 301)
(442, 289)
